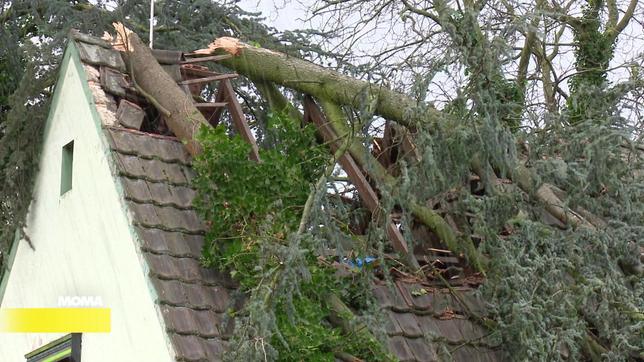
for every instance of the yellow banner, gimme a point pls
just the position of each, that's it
(55, 320)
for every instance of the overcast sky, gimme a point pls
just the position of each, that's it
(281, 14)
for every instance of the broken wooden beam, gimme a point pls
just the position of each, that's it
(208, 79)
(195, 71)
(239, 120)
(214, 58)
(312, 113)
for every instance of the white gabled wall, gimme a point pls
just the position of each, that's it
(83, 240)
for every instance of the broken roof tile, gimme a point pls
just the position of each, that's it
(130, 115)
(156, 173)
(113, 81)
(97, 55)
(75, 34)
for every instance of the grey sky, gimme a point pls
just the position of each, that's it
(281, 14)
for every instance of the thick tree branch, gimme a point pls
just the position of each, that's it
(183, 118)
(266, 65)
(613, 32)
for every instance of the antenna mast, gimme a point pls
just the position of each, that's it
(151, 24)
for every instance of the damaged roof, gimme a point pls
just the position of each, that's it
(154, 171)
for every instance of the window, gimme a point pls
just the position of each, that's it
(65, 349)
(67, 168)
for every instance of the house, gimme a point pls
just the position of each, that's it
(112, 218)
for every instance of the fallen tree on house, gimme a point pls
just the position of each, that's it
(499, 219)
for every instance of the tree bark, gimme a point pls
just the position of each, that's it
(263, 65)
(182, 117)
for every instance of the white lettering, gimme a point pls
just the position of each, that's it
(80, 301)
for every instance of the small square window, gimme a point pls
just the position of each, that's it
(65, 349)
(67, 168)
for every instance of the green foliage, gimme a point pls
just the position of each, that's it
(254, 210)
(239, 195)
(554, 289)
(575, 285)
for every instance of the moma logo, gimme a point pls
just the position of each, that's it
(80, 302)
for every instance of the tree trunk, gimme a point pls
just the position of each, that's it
(182, 117)
(263, 65)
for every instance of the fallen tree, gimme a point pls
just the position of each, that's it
(184, 119)
(179, 111)
(267, 66)
(264, 65)
(333, 91)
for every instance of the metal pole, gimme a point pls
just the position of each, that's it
(151, 24)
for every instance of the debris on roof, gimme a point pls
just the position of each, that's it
(155, 171)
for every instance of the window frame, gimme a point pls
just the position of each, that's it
(66, 348)
(67, 168)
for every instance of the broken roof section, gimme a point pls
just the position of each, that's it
(420, 323)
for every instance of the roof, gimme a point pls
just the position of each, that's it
(155, 173)
(428, 324)
(193, 300)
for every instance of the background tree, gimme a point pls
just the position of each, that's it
(564, 78)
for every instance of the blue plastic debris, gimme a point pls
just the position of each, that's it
(359, 262)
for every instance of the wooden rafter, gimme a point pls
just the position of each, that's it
(312, 113)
